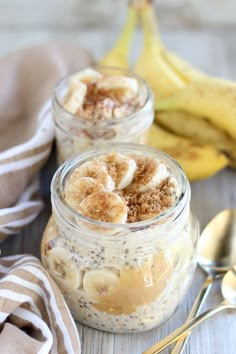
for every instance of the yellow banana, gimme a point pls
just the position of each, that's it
(176, 64)
(162, 80)
(185, 70)
(190, 126)
(212, 98)
(118, 56)
(198, 160)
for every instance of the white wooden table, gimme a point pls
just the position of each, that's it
(215, 52)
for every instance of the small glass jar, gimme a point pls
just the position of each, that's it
(75, 134)
(131, 277)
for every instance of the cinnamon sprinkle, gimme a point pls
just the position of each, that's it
(142, 206)
(146, 169)
(103, 105)
(115, 168)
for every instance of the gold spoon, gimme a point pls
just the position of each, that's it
(216, 255)
(228, 288)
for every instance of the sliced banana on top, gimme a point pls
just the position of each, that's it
(121, 168)
(99, 282)
(95, 169)
(128, 85)
(104, 206)
(75, 97)
(88, 75)
(63, 269)
(150, 173)
(80, 188)
(122, 111)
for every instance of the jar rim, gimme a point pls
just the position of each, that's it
(101, 123)
(161, 219)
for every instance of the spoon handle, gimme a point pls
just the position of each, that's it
(195, 310)
(182, 331)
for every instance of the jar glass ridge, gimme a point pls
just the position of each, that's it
(157, 254)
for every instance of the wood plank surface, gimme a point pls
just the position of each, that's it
(214, 52)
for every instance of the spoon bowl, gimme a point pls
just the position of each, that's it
(217, 244)
(216, 255)
(228, 288)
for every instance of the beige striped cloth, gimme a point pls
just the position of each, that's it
(34, 317)
(26, 127)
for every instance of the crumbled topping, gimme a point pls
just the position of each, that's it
(145, 205)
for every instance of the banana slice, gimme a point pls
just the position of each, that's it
(75, 97)
(150, 173)
(121, 168)
(63, 269)
(99, 282)
(87, 76)
(81, 188)
(104, 206)
(127, 85)
(123, 111)
(95, 169)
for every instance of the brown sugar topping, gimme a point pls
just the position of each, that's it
(145, 205)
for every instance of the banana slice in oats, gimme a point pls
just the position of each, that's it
(99, 282)
(81, 188)
(88, 75)
(104, 206)
(150, 173)
(121, 168)
(63, 269)
(127, 85)
(94, 169)
(75, 97)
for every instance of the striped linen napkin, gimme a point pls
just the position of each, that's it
(26, 127)
(34, 317)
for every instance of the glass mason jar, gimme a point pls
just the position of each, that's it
(74, 134)
(131, 277)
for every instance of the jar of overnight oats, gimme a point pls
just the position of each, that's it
(100, 105)
(121, 240)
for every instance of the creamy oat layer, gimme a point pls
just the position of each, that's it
(121, 189)
(120, 290)
(98, 96)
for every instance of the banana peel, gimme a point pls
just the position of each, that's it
(200, 129)
(210, 97)
(184, 69)
(162, 80)
(119, 55)
(199, 109)
(198, 160)
(180, 68)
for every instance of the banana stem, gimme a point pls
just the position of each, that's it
(123, 42)
(151, 29)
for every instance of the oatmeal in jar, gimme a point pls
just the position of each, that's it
(121, 241)
(97, 106)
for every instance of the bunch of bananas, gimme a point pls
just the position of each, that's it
(195, 115)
